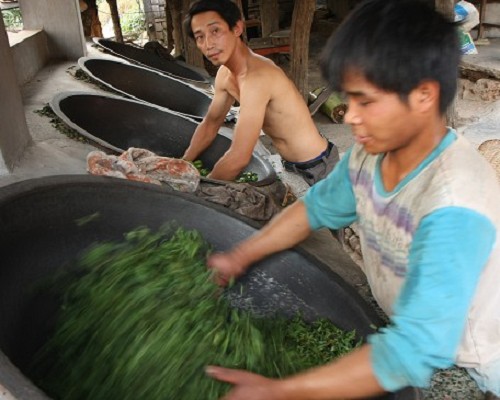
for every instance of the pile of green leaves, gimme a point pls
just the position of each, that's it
(247, 176)
(143, 319)
(81, 75)
(198, 164)
(59, 124)
(244, 177)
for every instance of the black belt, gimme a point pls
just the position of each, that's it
(309, 164)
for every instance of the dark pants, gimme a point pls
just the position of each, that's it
(317, 169)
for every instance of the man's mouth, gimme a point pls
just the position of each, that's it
(361, 138)
(214, 55)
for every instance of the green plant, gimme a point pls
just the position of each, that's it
(243, 177)
(133, 23)
(12, 19)
(132, 16)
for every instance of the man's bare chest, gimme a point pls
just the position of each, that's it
(234, 91)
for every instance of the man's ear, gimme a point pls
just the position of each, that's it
(426, 95)
(239, 28)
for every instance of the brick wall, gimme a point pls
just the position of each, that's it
(155, 19)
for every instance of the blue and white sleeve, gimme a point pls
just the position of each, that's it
(450, 249)
(331, 203)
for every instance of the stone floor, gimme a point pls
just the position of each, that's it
(52, 154)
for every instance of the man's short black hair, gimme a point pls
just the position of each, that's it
(228, 11)
(395, 45)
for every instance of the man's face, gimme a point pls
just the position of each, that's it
(380, 120)
(213, 36)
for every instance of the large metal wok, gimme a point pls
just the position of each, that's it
(40, 233)
(117, 124)
(151, 60)
(148, 85)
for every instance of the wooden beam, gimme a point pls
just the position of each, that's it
(269, 17)
(191, 53)
(170, 29)
(446, 7)
(240, 6)
(115, 17)
(303, 13)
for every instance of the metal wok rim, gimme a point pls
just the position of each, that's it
(55, 101)
(83, 66)
(97, 41)
(14, 379)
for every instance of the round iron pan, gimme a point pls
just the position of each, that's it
(116, 123)
(151, 60)
(40, 233)
(148, 85)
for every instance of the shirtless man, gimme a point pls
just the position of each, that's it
(268, 100)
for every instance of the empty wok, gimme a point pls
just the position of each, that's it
(151, 60)
(148, 85)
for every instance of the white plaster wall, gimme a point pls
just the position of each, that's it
(14, 134)
(61, 21)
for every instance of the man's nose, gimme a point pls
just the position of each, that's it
(209, 42)
(351, 116)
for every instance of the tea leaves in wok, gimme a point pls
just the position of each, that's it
(144, 318)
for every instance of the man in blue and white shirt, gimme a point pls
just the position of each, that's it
(427, 208)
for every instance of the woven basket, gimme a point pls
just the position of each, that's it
(490, 149)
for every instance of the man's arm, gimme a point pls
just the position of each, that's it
(254, 98)
(427, 325)
(349, 377)
(283, 232)
(206, 132)
(329, 203)
(449, 251)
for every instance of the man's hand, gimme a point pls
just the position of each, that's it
(348, 377)
(284, 231)
(225, 267)
(247, 386)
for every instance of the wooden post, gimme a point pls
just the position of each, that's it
(191, 53)
(115, 17)
(303, 13)
(269, 17)
(90, 20)
(240, 6)
(170, 28)
(175, 7)
(447, 8)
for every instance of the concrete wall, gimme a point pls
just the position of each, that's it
(14, 134)
(29, 52)
(60, 19)
(492, 17)
(58, 34)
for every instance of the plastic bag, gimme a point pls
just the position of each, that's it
(467, 15)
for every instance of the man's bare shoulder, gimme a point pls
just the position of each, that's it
(222, 76)
(264, 72)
